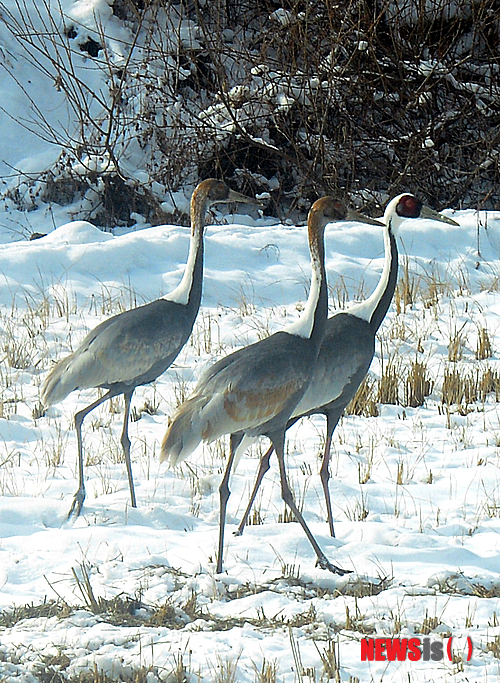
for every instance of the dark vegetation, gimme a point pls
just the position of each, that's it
(362, 98)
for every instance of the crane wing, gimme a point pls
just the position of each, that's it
(129, 349)
(344, 358)
(256, 384)
(253, 390)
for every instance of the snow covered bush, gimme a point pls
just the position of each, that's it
(362, 98)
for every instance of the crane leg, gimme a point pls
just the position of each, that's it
(125, 441)
(324, 473)
(224, 494)
(79, 497)
(263, 468)
(286, 493)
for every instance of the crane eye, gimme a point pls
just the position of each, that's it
(219, 191)
(333, 209)
(339, 209)
(409, 206)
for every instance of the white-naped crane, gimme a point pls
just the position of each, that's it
(348, 347)
(254, 390)
(135, 347)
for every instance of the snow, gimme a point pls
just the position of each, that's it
(416, 491)
(435, 545)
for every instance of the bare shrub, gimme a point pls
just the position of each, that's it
(363, 101)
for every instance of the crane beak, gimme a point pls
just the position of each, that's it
(234, 196)
(361, 218)
(426, 212)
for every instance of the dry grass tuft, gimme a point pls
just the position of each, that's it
(48, 608)
(458, 388)
(484, 348)
(489, 382)
(456, 345)
(406, 289)
(356, 621)
(364, 402)
(428, 624)
(330, 658)
(225, 670)
(388, 386)
(494, 647)
(417, 385)
(465, 388)
(268, 671)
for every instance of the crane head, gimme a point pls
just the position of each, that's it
(336, 210)
(327, 210)
(408, 206)
(217, 192)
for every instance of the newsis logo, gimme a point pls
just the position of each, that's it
(412, 649)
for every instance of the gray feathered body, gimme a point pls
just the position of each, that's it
(125, 351)
(253, 390)
(344, 358)
(347, 349)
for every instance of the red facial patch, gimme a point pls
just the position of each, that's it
(409, 206)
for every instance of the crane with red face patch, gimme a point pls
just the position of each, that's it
(348, 347)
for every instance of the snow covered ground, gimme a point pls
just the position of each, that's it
(415, 490)
(121, 592)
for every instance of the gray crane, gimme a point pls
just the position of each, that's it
(348, 347)
(135, 347)
(254, 390)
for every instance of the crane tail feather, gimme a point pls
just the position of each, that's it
(56, 388)
(187, 429)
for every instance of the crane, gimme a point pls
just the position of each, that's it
(135, 347)
(254, 390)
(348, 347)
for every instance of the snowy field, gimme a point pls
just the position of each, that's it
(415, 490)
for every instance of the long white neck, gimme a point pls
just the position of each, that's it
(303, 327)
(194, 268)
(365, 309)
(180, 294)
(380, 299)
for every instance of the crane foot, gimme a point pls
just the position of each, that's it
(76, 505)
(326, 564)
